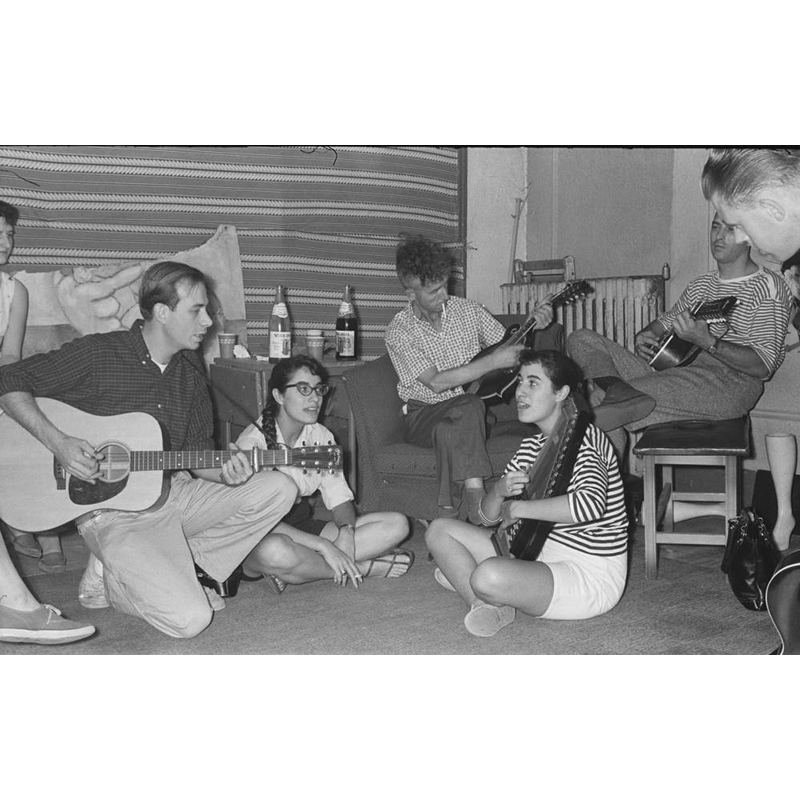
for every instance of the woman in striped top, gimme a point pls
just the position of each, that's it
(581, 570)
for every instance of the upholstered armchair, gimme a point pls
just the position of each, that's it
(396, 476)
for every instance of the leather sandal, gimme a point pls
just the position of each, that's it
(392, 564)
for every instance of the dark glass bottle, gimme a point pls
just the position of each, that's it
(280, 329)
(346, 328)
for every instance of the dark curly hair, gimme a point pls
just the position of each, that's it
(559, 368)
(282, 374)
(422, 258)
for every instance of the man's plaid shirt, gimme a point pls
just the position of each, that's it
(112, 373)
(415, 346)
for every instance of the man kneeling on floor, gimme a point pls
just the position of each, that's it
(143, 563)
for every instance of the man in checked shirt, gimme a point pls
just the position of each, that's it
(432, 343)
(143, 563)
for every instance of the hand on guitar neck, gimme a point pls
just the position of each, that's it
(497, 380)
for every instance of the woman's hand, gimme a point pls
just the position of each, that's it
(513, 483)
(341, 564)
(506, 515)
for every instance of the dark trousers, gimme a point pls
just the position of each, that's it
(456, 429)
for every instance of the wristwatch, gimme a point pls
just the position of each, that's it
(713, 349)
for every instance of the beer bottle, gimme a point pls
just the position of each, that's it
(346, 328)
(280, 329)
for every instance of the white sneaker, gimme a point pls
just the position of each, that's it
(92, 589)
(442, 581)
(485, 620)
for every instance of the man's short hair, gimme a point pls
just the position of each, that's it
(424, 259)
(160, 285)
(737, 174)
(9, 213)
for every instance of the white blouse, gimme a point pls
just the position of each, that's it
(332, 485)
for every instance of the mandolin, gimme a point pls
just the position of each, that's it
(783, 604)
(498, 385)
(37, 493)
(550, 476)
(676, 352)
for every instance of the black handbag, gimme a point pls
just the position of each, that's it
(750, 559)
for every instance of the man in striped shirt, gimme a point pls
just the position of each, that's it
(736, 356)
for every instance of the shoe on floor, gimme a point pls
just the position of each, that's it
(216, 602)
(392, 564)
(442, 581)
(92, 589)
(53, 562)
(273, 581)
(45, 625)
(486, 620)
(26, 545)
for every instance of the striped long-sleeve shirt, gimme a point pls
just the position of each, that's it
(594, 492)
(760, 318)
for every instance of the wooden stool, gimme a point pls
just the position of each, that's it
(720, 443)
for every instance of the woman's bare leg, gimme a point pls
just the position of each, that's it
(782, 457)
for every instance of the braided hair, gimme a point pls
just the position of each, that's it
(283, 374)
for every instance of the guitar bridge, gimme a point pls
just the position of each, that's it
(60, 474)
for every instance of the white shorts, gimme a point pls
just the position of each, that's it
(584, 586)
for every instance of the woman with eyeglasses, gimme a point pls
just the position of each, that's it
(302, 549)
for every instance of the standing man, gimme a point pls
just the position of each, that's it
(727, 377)
(757, 192)
(142, 563)
(432, 343)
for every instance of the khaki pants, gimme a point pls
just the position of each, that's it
(148, 557)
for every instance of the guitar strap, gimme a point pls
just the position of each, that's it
(550, 477)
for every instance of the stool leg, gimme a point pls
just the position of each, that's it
(650, 554)
(668, 485)
(731, 488)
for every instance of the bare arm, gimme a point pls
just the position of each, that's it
(15, 333)
(76, 455)
(503, 357)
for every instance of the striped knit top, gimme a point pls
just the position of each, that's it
(594, 492)
(759, 320)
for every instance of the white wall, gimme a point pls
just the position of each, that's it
(618, 212)
(495, 178)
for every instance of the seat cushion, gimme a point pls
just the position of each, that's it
(728, 437)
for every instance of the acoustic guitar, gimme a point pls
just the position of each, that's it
(783, 604)
(37, 493)
(676, 352)
(498, 385)
(550, 476)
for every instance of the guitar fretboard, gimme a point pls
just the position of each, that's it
(144, 460)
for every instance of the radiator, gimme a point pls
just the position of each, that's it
(618, 308)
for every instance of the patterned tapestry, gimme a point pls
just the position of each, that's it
(309, 218)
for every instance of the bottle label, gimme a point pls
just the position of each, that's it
(345, 309)
(346, 343)
(280, 344)
(280, 310)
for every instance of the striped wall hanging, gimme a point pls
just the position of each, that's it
(309, 218)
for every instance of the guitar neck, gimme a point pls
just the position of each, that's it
(146, 460)
(530, 324)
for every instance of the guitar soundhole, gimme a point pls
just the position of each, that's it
(115, 468)
(116, 465)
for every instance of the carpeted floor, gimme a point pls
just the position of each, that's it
(689, 610)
